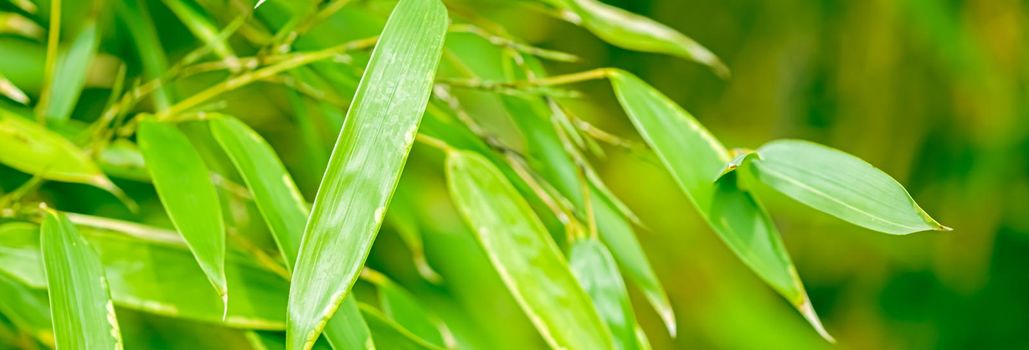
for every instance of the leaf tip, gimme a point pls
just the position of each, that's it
(808, 311)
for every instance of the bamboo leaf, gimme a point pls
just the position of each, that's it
(524, 255)
(389, 334)
(70, 72)
(365, 165)
(634, 32)
(284, 210)
(80, 302)
(557, 167)
(184, 186)
(28, 309)
(841, 185)
(694, 158)
(11, 91)
(595, 269)
(32, 148)
(157, 276)
(144, 36)
(202, 26)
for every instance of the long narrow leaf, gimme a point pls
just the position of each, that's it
(27, 308)
(80, 302)
(841, 185)
(390, 335)
(402, 307)
(524, 255)
(694, 158)
(634, 32)
(70, 72)
(285, 211)
(185, 189)
(365, 165)
(595, 269)
(31, 148)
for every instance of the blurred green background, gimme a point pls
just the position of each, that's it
(934, 92)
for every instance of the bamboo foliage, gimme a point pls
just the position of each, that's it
(270, 176)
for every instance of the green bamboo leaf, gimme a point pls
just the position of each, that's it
(80, 302)
(365, 165)
(613, 220)
(595, 269)
(27, 308)
(184, 186)
(634, 32)
(69, 77)
(694, 158)
(123, 159)
(522, 252)
(152, 270)
(284, 210)
(841, 185)
(32, 148)
(402, 307)
(389, 334)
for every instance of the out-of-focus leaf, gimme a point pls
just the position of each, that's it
(188, 195)
(158, 277)
(31, 148)
(595, 269)
(22, 63)
(7, 88)
(390, 335)
(80, 301)
(122, 159)
(200, 24)
(284, 209)
(522, 252)
(634, 32)
(404, 220)
(14, 23)
(694, 158)
(27, 308)
(365, 165)
(148, 45)
(69, 76)
(841, 185)
(558, 167)
(402, 307)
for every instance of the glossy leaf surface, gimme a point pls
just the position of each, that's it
(841, 185)
(522, 252)
(595, 269)
(365, 165)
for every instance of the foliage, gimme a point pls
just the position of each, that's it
(212, 227)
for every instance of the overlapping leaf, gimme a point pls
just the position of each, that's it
(595, 269)
(185, 189)
(365, 165)
(524, 255)
(694, 158)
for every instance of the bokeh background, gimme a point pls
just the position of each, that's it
(934, 92)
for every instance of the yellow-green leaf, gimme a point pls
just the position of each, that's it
(80, 302)
(184, 186)
(32, 148)
(401, 306)
(695, 158)
(841, 185)
(390, 335)
(365, 165)
(524, 254)
(634, 32)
